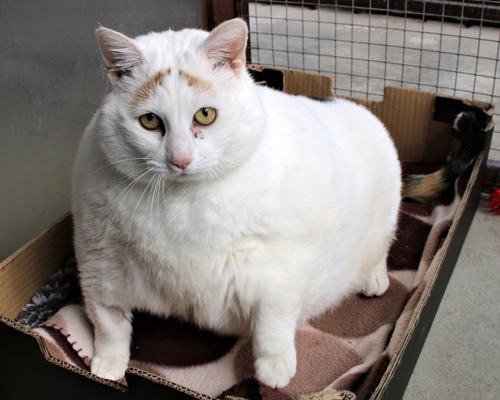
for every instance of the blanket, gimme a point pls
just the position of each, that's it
(346, 349)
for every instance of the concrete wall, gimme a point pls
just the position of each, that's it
(51, 82)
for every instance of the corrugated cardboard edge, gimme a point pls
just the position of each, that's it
(417, 136)
(46, 354)
(114, 384)
(329, 394)
(438, 260)
(302, 83)
(28, 269)
(40, 258)
(307, 84)
(409, 130)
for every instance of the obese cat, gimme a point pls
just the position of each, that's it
(201, 195)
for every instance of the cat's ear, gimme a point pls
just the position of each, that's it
(119, 53)
(226, 44)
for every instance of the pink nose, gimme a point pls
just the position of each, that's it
(181, 162)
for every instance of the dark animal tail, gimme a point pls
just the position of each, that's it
(430, 186)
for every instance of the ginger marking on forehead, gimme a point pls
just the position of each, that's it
(149, 87)
(195, 81)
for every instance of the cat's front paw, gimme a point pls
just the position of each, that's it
(377, 284)
(112, 368)
(276, 370)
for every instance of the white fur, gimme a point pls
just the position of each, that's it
(288, 205)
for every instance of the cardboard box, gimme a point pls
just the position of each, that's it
(420, 125)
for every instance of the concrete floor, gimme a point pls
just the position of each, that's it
(461, 356)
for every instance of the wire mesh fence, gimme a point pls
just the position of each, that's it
(366, 45)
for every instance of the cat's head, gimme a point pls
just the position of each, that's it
(181, 103)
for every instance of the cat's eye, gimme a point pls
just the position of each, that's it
(150, 121)
(205, 116)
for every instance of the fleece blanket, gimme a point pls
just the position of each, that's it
(343, 352)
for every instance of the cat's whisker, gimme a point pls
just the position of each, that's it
(156, 193)
(121, 197)
(112, 163)
(129, 187)
(142, 195)
(163, 189)
(208, 176)
(151, 194)
(132, 218)
(234, 163)
(219, 174)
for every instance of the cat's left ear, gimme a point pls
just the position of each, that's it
(226, 44)
(118, 52)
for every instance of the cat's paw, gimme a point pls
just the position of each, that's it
(377, 284)
(112, 368)
(276, 370)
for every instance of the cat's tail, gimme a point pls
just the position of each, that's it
(430, 186)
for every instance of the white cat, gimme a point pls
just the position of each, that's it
(201, 195)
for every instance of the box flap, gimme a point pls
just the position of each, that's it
(407, 114)
(26, 270)
(419, 122)
(293, 82)
(307, 84)
(448, 107)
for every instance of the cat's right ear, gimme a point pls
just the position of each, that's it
(119, 53)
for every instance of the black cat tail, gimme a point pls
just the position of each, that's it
(430, 186)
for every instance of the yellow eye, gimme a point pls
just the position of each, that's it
(205, 116)
(150, 121)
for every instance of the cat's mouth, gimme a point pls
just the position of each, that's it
(181, 175)
(173, 173)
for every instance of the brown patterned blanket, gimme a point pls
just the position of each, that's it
(347, 348)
